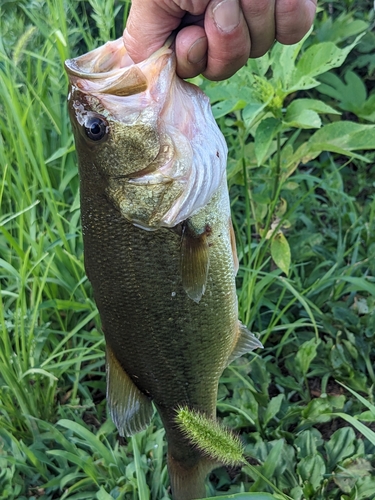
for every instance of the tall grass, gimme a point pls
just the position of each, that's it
(46, 306)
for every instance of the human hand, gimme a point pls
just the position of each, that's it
(215, 37)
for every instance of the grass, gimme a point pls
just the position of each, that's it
(304, 407)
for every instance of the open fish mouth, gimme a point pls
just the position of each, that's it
(110, 70)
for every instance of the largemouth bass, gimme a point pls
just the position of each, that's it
(159, 244)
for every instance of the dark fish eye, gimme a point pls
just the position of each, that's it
(95, 128)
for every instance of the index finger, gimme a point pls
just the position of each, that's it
(151, 22)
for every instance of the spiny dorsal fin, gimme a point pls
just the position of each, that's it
(195, 261)
(246, 342)
(130, 409)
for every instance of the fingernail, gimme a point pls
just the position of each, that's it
(197, 51)
(227, 15)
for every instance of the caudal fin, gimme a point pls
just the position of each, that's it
(189, 483)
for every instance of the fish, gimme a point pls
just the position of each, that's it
(159, 246)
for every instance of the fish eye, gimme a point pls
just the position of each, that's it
(96, 128)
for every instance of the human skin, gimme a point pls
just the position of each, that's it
(215, 37)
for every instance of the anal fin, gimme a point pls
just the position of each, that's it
(130, 409)
(194, 262)
(246, 342)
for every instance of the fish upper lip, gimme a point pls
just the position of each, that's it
(73, 67)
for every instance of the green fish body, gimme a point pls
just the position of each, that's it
(159, 244)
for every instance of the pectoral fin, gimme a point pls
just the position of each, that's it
(194, 262)
(130, 409)
(246, 342)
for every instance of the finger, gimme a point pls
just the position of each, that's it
(151, 22)
(260, 18)
(293, 19)
(228, 39)
(191, 51)
(147, 28)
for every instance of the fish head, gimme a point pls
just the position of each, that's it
(112, 111)
(150, 136)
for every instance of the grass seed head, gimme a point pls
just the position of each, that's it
(210, 437)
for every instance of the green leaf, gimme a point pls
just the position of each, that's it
(84, 462)
(260, 65)
(143, 489)
(359, 284)
(307, 442)
(312, 469)
(319, 409)
(264, 136)
(280, 252)
(342, 137)
(306, 118)
(223, 108)
(306, 353)
(103, 495)
(363, 429)
(318, 59)
(61, 152)
(303, 113)
(352, 93)
(90, 438)
(338, 29)
(366, 416)
(251, 111)
(365, 488)
(283, 59)
(273, 408)
(340, 446)
(268, 468)
(348, 136)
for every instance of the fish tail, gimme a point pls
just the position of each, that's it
(188, 483)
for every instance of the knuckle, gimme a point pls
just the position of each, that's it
(289, 7)
(194, 7)
(256, 9)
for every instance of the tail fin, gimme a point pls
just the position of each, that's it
(188, 483)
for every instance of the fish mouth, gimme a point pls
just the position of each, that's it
(110, 70)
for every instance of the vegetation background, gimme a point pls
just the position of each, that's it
(300, 125)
